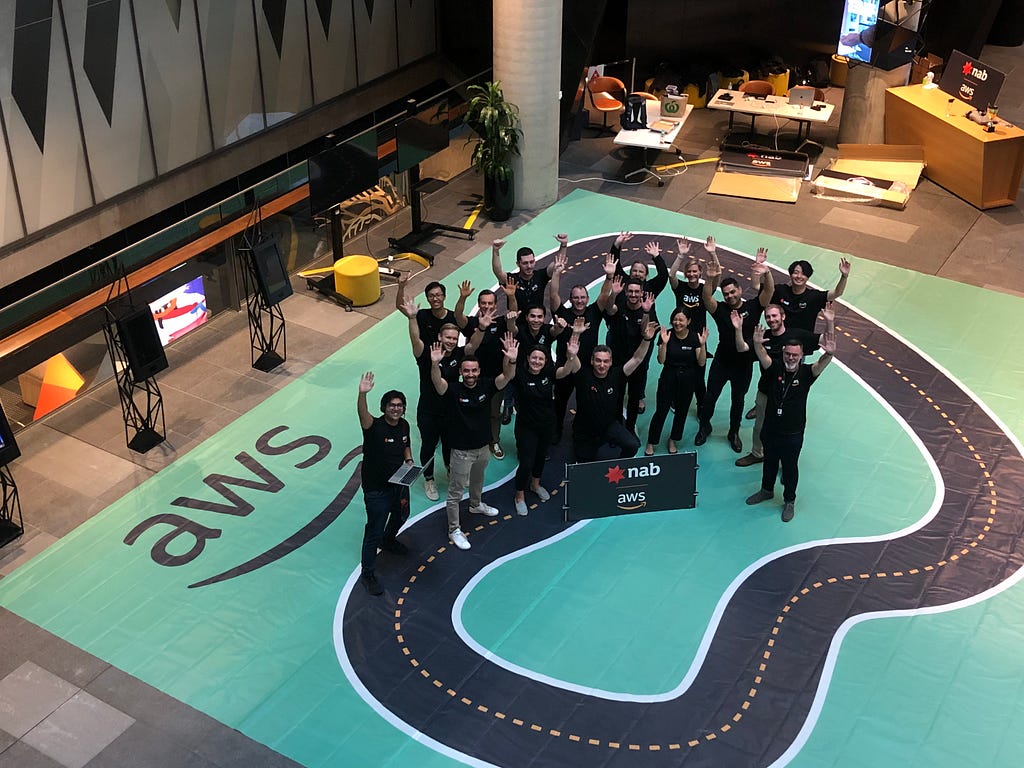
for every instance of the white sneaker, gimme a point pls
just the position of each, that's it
(542, 493)
(484, 509)
(521, 509)
(458, 538)
(430, 489)
(497, 452)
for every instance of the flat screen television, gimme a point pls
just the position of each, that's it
(420, 136)
(883, 34)
(9, 450)
(136, 328)
(180, 311)
(344, 171)
(271, 275)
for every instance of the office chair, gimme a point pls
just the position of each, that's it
(755, 88)
(602, 96)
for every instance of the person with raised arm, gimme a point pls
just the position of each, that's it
(789, 381)
(639, 269)
(530, 282)
(468, 404)
(682, 355)
(626, 321)
(801, 304)
(435, 315)
(386, 447)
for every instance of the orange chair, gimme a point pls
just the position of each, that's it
(754, 88)
(602, 96)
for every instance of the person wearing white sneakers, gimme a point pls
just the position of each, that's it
(535, 423)
(468, 405)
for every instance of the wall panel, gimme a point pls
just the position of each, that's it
(417, 30)
(333, 49)
(173, 80)
(376, 38)
(284, 59)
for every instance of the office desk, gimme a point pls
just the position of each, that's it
(649, 141)
(982, 168)
(773, 106)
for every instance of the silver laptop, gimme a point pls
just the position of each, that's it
(406, 475)
(801, 96)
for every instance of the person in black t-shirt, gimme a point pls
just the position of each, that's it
(535, 418)
(385, 447)
(689, 295)
(431, 319)
(530, 282)
(730, 365)
(789, 381)
(468, 403)
(802, 304)
(682, 355)
(597, 430)
(639, 270)
(778, 334)
(430, 416)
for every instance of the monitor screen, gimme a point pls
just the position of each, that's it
(137, 331)
(9, 450)
(344, 171)
(271, 275)
(421, 135)
(180, 311)
(856, 33)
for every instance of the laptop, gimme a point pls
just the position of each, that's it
(406, 475)
(801, 96)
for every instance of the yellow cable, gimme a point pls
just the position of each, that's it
(685, 163)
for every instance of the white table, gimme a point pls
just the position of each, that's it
(648, 140)
(777, 107)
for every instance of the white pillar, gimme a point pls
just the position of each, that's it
(527, 61)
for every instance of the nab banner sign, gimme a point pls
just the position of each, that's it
(625, 486)
(971, 81)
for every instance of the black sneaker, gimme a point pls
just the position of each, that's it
(394, 546)
(702, 436)
(372, 585)
(787, 511)
(761, 495)
(735, 443)
(506, 415)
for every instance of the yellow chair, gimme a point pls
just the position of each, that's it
(602, 92)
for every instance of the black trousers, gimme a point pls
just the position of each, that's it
(432, 430)
(563, 393)
(738, 376)
(636, 387)
(784, 450)
(386, 512)
(617, 442)
(532, 442)
(675, 390)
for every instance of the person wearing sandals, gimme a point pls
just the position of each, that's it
(534, 386)
(682, 355)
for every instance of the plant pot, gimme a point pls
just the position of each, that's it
(499, 197)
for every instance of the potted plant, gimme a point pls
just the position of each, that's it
(496, 123)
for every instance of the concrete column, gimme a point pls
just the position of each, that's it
(527, 61)
(863, 118)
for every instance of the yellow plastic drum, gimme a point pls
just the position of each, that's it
(837, 70)
(357, 278)
(780, 82)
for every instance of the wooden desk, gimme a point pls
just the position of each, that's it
(771, 106)
(982, 168)
(651, 142)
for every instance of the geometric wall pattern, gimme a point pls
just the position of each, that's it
(100, 96)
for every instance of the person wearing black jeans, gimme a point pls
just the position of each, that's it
(385, 447)
(682, 355)
(689, 295)
(731, 364)
(789, 381)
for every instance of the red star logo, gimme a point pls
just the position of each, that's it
(615, 474)
(967, 68)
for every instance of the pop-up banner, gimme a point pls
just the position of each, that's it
(627, 486)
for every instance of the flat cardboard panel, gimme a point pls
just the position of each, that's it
(779, 189)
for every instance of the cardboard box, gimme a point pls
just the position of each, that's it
(883, 174)
(923, 65)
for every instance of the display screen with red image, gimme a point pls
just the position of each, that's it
(180, 311)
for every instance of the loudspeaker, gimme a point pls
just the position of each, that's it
(9, 450)
(271, 275)
(141, 343)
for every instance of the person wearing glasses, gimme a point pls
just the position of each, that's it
(386, 447)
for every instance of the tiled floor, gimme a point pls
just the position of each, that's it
(62, 707)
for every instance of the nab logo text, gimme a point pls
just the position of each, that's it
(651, 470)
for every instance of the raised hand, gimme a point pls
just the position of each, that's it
(497, 245)
(735, 319)
(609, 265)
(844, 267)
(710, 246)
(485, 318)
(366, 382)
(761, 256)
(561, 322)
(403, 278)
(648, 302)
(623, 237)
(436, 352)
(509, 286)
(828, 343)
(651, 331)
(562, 238)
(758, 268)
(653, 248)
(665, 335)
(714, 269)
(511, 346)
(759, 334)
(410, 307)
(828, 313)
(579, 325)
(617, 285)
(573, 347)
(561, 261)
(703, 335)
(465, 289)
(682, 246)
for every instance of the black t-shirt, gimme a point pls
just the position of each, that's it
(801, 309)
(383, 452)
(654, 284)
(750, 310)
(692, 300)
(786, 413)
(535, 396)
(469, 412)
(430, 401)
(626, 331)
(528, 341)
(489, 353)
(588, 339)
(681, 355)
(773, 346)
(598, 401)
(530, 292)
(430, 326)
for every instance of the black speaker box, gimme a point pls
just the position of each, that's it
(271, 275)
(141, 342)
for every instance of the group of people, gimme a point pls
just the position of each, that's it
(543, 350)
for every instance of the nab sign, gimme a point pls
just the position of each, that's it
(972, 81)
(625, 486)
